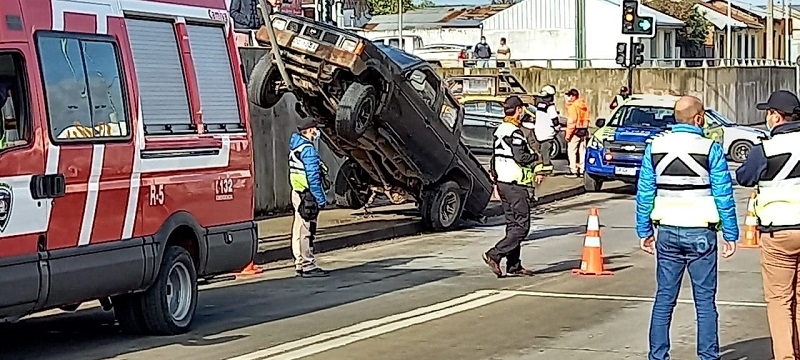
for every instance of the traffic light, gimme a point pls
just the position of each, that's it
(622, 49)
(638, 54)
(632, 23)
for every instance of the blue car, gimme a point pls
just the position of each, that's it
(615, 150)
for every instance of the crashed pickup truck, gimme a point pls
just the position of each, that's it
(385, 110)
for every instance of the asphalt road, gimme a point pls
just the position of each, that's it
(431, 297)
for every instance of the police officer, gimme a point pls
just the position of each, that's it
(772, 168)
(511, 171)
(546, 126)
(306, 175)
(686, 192)
(624, 94)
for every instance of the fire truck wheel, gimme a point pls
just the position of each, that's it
(168, 306)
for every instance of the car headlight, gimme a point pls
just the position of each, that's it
(279, 24)
(349, 45)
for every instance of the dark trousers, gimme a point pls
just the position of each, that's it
(518, 222)
(545, 148)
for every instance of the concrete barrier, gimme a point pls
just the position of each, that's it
(733, 91)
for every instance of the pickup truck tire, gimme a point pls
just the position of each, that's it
(262, 78)
(167, 307)
(349, 188)
(441, 206)
(592, 183)
(356, 110)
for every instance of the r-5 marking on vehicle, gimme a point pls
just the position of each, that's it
(157, 195)
(223, 189)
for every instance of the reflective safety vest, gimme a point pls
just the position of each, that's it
(683, 181)
(505, 167)
(778, 200)
(297, 170)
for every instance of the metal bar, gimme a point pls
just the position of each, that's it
(266, 13)
(631, 56)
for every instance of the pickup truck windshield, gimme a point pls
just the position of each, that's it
(643, 116)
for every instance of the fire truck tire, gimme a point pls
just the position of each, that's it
(168, 306)
(356, 109)
(261, 87)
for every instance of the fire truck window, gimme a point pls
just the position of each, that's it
(14, 115)
(82, 88)
(215, 81)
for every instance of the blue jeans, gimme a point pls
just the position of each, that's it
(676, 250)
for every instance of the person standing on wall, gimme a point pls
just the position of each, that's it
(772, 167)
(482, 52)
(511, 171)
(306, 176)
(686, 192)
(624, 94)
(577, 133)
(503, 54)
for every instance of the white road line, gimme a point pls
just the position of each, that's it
(623, 298)
(366, 325)
(349, 339)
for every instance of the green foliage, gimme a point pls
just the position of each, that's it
(388, 7)
(693, 34)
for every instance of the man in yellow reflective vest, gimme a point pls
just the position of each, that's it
(511, 170)
(306, 175)
(772, 167)
(686, 192)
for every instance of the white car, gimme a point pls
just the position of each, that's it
(738, 139)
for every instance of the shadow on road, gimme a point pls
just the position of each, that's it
(752, 349)
(554, 231)
(568, 265)
(91, 334)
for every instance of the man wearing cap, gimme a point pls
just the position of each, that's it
(512, 173)
(772, 167)
(546, 125)
(624, 94)
(306, 175)
(577, 133)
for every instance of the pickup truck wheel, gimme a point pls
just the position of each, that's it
(592, 183)
(441, 207)
(555, 150)
(349, 188)
(260, 89)
(356, 110)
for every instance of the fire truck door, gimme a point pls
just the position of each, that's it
(23, 216)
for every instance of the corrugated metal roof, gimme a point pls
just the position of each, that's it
(720, 20)
(434, 17)
(412, 26)
(661, 18)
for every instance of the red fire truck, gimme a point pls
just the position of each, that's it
(126, 161)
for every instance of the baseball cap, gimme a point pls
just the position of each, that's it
(783, 101)
(512, 102)
(623, 89)
(572, 92)
(307, 122)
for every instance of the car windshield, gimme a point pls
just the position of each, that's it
(643, 116)
(717, 117)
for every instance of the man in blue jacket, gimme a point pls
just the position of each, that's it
(685, 190)
(308, 196)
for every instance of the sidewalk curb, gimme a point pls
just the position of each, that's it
(382, 234)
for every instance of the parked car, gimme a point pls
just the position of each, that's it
(615, 150)
(441, 55)
(482, 115)
(385, 110)
(739, 139)
(501, 85)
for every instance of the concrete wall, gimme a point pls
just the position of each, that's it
(732, 91)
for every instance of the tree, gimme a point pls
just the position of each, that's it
(695, 29)
(386, 7)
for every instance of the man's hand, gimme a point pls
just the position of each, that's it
(728, 249)
(539, 179)
(648, 245)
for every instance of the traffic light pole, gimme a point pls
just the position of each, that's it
(631, 65)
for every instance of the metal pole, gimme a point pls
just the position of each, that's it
(580, 32)
(770, 31)
(631, 55)
(728, 42)
(787, 33)
(266, 11)
(400, 24)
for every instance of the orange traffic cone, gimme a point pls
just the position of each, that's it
(592, 259)
(251, 269)
(750, 238)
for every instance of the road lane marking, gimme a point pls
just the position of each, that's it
(384, 329)
(481, 296)
(623, 298)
